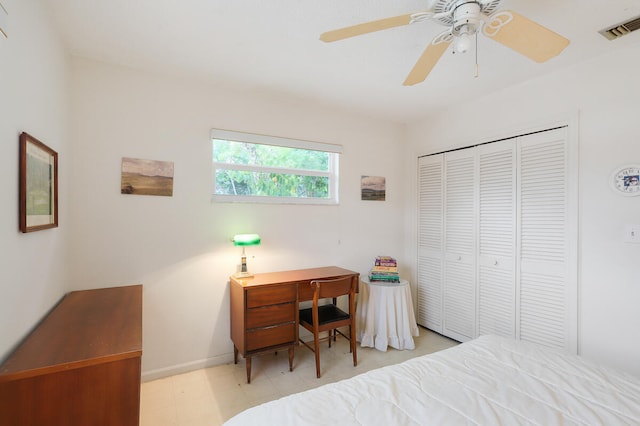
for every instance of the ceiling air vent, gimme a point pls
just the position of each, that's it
(619, 30)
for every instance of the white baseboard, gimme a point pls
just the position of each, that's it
(186, 367)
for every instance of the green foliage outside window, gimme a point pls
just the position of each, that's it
(273, 171)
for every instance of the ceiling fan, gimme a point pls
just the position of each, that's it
(464, 19)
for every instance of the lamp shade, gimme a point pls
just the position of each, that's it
(246, 240)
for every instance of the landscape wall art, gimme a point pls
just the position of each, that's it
(146, 177)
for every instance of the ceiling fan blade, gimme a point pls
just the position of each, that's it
(524, 36)
(367, 27)
(427, 61)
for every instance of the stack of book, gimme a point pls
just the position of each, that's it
(385, 269)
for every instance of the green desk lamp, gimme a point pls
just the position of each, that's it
(244, 240)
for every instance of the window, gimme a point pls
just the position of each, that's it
(259, 168)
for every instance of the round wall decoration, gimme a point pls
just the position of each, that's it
(626, 180)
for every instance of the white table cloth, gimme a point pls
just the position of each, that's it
(385, 316)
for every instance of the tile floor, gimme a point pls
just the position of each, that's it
(212, 395)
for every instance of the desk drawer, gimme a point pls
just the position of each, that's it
(272, 336)
(270, 315)
(271, 295)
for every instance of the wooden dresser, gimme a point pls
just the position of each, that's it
(264, 309)
(80, 366)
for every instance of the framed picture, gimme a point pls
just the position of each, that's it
(38, 185)
(146, 177)
(373, 188)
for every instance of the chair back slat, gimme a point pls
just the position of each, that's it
(333, 288)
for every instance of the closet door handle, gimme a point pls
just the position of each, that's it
(495, 263)
(459, 257)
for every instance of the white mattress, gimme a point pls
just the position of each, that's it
(488, 381)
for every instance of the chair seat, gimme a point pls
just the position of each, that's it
(326, 314)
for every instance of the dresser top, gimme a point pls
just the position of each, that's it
(85, 328)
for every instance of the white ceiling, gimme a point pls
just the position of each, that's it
(273, 46)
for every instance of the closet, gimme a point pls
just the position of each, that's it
(496, 240)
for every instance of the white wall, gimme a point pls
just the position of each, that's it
(605, 92)
(33, 99)
(179, 247)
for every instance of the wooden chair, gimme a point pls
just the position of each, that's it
(320, 318)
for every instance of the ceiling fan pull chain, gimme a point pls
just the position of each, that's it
(476, 67)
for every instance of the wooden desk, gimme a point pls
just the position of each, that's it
(80, 365)
(264, 309)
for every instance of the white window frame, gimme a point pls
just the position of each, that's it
(332, 173)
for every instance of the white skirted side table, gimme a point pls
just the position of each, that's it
(385, 315)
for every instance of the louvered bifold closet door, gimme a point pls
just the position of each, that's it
(430, 241)
(497, 238)
(543, 283)
(460, 244)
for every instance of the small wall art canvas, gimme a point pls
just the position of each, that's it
(373, 188)
(146, 177)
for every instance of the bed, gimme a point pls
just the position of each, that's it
(489, 381)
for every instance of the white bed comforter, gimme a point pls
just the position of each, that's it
(488, 381)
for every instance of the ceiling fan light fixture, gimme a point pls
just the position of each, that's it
(462, 43)
(466, 21)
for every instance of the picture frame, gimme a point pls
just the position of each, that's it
(38, 185)
(146, 177)
(373, 188)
